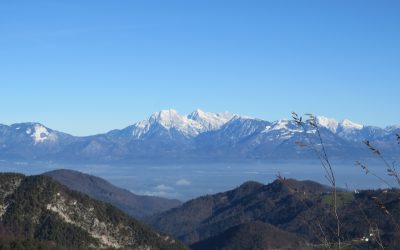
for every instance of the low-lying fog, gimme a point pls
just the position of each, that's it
(187, 181)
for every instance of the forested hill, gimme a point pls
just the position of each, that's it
(287, 214)
(37, 209)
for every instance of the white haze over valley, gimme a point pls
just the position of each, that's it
(187, 181)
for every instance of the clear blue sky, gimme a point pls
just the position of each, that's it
(86, 67)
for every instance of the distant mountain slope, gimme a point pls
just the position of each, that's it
(209, 215)
(39, 208)
(199, 136)
(135, 205)
(251, 236)
(296, 207)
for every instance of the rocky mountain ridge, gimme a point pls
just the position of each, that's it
(199, 136)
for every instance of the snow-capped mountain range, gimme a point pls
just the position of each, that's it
(190, 126)
(199, 136)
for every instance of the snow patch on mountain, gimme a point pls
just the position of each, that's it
(39, 133)
(280, 124)
(347, 124)
(283, 125)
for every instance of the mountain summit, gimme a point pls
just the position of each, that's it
(210, 121)
(189, 126)
(168, 120)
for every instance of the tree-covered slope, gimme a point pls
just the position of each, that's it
(302, 208)
(37, 207)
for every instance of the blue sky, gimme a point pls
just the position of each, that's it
(86, 67)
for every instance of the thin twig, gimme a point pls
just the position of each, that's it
(324, 159)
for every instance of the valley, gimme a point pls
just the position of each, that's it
(283, 214)
(188, 181)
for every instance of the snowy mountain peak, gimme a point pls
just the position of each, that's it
(169, 119)
(36, 131)
(172, 119)
(190, 126)
(210, 121)
(347, 124)
(328, 123)
(198, 112)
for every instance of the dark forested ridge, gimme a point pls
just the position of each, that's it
(137, 206)
(287, 211)
(250, 236)
(38, 211)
